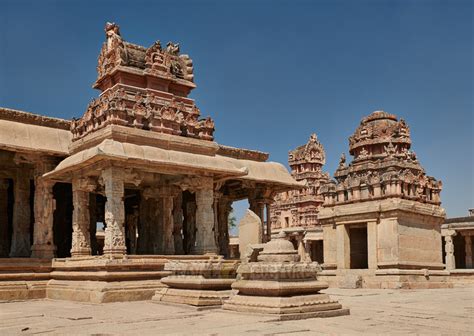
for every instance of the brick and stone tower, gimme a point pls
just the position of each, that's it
(299, 208)
(382, 211)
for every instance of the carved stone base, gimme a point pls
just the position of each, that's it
(102, 291)
(80, 252)
(43, 251)
(387, 279)
(198, 298)
(287, 308)
(22, 290)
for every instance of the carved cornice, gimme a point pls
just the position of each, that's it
(33, 119)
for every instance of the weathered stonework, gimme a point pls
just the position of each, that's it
(81, 243)
(382, 213)
(114, 243)
(198, 283)
(299, 208)
(21, 246)
(280, 285)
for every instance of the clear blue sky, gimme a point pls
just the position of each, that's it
(272, 72)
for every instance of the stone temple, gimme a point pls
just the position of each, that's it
(142, 161)
(131, 202)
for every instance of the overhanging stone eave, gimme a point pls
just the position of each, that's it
(190, 164)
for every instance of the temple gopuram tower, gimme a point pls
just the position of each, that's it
(382, 213)
(296, 211)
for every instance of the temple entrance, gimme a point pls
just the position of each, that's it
(317, 251)
(358, 247)
(62, 219)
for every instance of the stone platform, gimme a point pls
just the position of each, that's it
(373, 312)
(94, 279)
(198, 283)
(388, 279)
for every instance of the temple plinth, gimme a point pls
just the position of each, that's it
(280, 285)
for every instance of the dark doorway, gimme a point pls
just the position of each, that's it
(317, 251)
(62, 219)
(459, 251)
(358, 247)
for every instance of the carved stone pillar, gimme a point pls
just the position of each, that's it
(449, 249)
(114, 240)
(167, 195)
(44, 207)
(4, 237)
(468, 246)
(81, 237)
(147, 227)
(21, 246)
(178, 223)
(205, 242)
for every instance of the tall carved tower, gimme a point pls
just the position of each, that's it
(299, 208)
(143, 88)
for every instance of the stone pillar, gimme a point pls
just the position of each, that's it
(178, 222)
(93, 222)
(4, 237)
(301, 248)
(224, 210)
(205, 242)
(372, 244)
(343, 247)
(449, 249)
(269, 221)
(114, 241)
(147, 226)
(81, 237)
(258, 207)
(131, 230)
(166, 196)
(377, 190)
(44, 207)
(21, 246)
(468, 246)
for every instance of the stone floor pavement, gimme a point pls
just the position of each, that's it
(432, 311)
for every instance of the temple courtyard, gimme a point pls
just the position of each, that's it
(424, 311)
